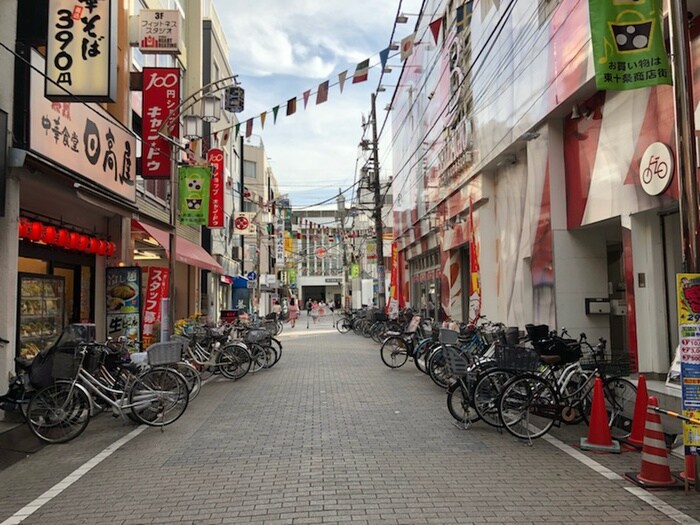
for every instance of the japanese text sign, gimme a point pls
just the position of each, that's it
(215, 158)
(688, 296)
(156, 290)
(279, 241)
(81, 51)
(123, 302)
(194, 195)
(628, 44)
(82, 138)
(161, 97)
(160, 31)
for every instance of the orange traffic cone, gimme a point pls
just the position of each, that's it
(636, 437)
(654, 472)
(599, 438)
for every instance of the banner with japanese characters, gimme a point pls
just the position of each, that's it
(194, 195)
(160, 31)
(83, 138)
(156, 291)
(161, 96)
(81, 51)
(628, 44)
(123, 289)
(243, 223)
(279, 241)
(215, 158)
(688, 296)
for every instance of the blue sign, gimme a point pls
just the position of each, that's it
(252, 276)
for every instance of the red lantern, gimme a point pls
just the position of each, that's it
(50, 235)
(111, 247)
(83, 241)
(63, 238)
(94, 245)
(36, 231)
(101, 247)
(74, 241)
(24, 228)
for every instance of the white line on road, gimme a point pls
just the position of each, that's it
(29, 509)
(663, 507)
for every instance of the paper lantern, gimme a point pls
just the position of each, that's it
(63, 239)
(101, 247)
(36, 231)
(74, 241)
(50, 235)
(111, 247)
(83, 241)
(24, 228)
(92, 245)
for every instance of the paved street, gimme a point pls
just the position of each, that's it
(330, 435)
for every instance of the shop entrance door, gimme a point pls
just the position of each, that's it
(619, 343)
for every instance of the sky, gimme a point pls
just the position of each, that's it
(280, 49)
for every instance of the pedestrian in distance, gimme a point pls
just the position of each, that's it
(314, 311)
(293, 312)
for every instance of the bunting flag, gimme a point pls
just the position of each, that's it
(383, 56)
(249, 128)
(263, 115)
(341, 79)
(322, 93)
(224, 140)
(307, 94)
(291, 106)
(216, 137)
(435, 28)
(275, 110)
(407, 46)
(361, 71)
(238, 129)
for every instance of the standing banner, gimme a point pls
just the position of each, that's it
(123, 302)
(215, 158)
(194, 195)
(156, 291)
(474, 284)
(161, 94)
(688, 295)
(392, 307)
(628, 44)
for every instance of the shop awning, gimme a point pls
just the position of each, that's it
(186, 251)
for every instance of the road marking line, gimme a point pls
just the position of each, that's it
(32, 507)
(660, 505)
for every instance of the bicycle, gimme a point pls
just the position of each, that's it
(211, 352)
(398, 347)
(61, 411)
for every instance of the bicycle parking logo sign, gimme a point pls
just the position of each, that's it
(656, 168)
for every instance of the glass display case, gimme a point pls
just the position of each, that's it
(41, 312)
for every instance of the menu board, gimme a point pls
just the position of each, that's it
(123, 302)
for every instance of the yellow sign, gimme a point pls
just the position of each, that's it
(688, 286)
(691, 432)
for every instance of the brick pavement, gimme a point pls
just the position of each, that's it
(330, 435)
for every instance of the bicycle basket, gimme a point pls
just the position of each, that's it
(448, 337)
(65, 365)
(257, 336)
(617, 365)
(164, 353)
(456, 362)
(514, 357)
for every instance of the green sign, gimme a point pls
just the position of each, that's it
(194, 195)
(292, 275)
(354, 270)
(628, 44)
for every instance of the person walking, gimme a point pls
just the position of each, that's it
(293, 312)
(314, 311)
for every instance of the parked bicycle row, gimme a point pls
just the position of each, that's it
(59, 391)
(525, 382)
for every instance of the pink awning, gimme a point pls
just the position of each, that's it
(186, 251)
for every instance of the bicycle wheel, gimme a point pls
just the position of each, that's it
(159, 397)
(488, 388)
(422, 354)
(271, 356)
(620, 398)
(59, 412)
(258, 357)
(343, 325)
(528, 406)
(233, 361)
(277, 346)
(191, 375)
(438, 369)
(459, 403)
(394, 352)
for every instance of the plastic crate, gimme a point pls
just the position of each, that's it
(456, 361)
(164, 353)
(514, 357)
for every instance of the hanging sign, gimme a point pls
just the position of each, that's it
(234, 99)
(156, 291)
(628, 44)
(123, 302)
(215, 158)
(161, 96)
(160, 31)
(194, 195)
(354, 270)
(279, 241)
(81, 48)
(656, 168)
(243, 223)
(688, 296)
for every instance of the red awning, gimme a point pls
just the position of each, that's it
(186, 251)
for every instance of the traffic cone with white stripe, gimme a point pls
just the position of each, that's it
(655, 472)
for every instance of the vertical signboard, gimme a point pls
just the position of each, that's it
(160, 31)
(688, 295)
(156, 291)
(161, 97)
(194, 195)
(215, 158)
(123, 302)
(279, 241)
(81, 51)
(392, 308)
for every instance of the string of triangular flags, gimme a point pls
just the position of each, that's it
(462, 15)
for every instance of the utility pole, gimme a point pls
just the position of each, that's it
(379, 229)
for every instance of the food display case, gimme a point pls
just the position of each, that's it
(40, 312)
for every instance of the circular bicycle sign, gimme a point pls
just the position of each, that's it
(656, 168)
(320, 252)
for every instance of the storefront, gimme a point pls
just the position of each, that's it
(425, 283)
